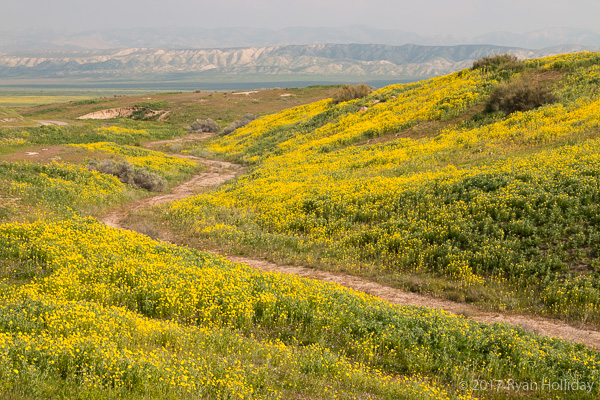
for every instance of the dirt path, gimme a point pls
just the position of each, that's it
(48, 122)
(220, 172)
(539, 325)
(193, 137)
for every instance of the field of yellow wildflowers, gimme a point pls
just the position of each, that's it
(414, 180)
(101, 345)
(114, 313)
(483, 206)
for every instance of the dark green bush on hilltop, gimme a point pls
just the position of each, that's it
(498, 62)
(349, 92)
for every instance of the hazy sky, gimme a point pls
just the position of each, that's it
(453, 17)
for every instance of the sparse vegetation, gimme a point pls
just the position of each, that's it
(182, 107)
(350, 92)
(87, 101)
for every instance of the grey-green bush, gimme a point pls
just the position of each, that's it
(205, 125)
(519, 95)
(239, 123)
(128, 174)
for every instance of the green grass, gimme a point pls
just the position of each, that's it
(91, 133)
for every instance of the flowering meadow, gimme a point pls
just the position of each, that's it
(417, 181)
(115, 312)
(30, 189)
(426, 183)
(167, 166)
(88, 133)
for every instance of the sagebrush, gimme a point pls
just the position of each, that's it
(205, 125)
(498, 62)
(239, 123)
(127, 173)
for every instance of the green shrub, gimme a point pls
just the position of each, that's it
(205, 125)
(349, 92)
(519, 95)
(498, 62)
(140, 114)
(122, 170)
(153, 105)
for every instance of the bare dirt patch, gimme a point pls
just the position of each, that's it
(51, 122)
(194, 137)
(247, 93)
(121, 112)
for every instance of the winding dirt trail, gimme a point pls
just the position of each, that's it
(193, 137)
(539, 325)
(220, 172)
(48, 122)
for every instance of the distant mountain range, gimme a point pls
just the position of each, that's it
(361, 61)
(201, 38)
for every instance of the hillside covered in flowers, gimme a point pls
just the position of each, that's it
(431, 186)
(427, 186)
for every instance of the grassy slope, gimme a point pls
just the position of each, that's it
(88, 311)
(51, 348)
(225, 107)
(427, 191)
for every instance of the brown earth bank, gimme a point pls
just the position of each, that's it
(121, 112)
